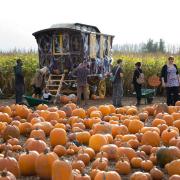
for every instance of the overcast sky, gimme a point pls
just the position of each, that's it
(131, 21)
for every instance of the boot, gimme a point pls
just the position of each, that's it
(138, 103)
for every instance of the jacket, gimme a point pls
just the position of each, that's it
(164, 72)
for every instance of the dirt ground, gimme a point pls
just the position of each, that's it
(127, 101)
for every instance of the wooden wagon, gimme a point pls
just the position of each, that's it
(62, 47)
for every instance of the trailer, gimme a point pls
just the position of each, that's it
(62, 47)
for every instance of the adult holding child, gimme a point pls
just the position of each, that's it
(170, 80)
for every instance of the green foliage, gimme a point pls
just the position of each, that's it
(7, 61)
(151, 64)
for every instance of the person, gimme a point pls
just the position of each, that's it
(38, 82)
(46, 94)
(81, 73)
(137, 86)
(19, 81)
(171, 80)
(117, 84)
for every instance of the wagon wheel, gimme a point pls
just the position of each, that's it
(102, 88)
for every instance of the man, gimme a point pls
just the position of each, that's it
(117, 84)
(81, 73)
(19, 81)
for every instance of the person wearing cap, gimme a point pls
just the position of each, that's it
(137, 87)
(19, 81)
(117, 84)
(171, 81)
(81, 73)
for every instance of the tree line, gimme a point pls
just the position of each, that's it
(150, 46)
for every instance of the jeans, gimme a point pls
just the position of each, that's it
(172, 95)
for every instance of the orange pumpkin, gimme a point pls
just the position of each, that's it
(44, 169)
(27, 163)
(58, 136)
(62, 170)
(96, 141)
(107, 175)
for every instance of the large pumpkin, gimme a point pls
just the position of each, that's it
(62, 170)
(97, 141)
(167, 154)
(110, 175)
(10, 131)
(173, 167)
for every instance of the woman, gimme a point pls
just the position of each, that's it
(171, 80)
(137, 86)
(117, 84)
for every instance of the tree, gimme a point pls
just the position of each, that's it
(161, 46)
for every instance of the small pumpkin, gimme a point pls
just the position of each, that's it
(6, 175)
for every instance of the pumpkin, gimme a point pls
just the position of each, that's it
(105, 110)
(146, 165)
(44, 163)
(83, 137)
(59, 150)
(10, 164)
(78, 164)
(38, 134)
(151, 138)
(101, 128)
(167, 154)
(26, 163)
(6, 175)
(42, 107)
(123, 167)
(175, 177)
(156, 173)
(84, 157)
(168, 134)
(107, 175)
(111, 150)
(32, 144)
(136, 162)
(139, 176)
(10, 131)
(25, 128)
(80, 112)
(58, 136)
(4, 117)
(173, 167)
(135, 126)
(100, 163)
(62, 170)
(96, 141)
(64, 99)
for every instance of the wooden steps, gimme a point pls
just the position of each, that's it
(54, 83)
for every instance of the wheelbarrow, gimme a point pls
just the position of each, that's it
(34, 101)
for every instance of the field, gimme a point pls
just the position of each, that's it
(151, 65)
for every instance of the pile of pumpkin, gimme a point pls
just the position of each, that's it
(100, 143)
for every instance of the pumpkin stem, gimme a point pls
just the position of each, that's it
(4, 173)
(46, 151)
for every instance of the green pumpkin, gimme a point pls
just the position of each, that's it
(167, 154)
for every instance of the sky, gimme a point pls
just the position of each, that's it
(130, 21)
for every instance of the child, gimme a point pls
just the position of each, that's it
(46, 94)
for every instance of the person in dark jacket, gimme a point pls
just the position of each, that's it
(81, 73)
(117, 84)
(19, 81)
(171, 80)
(137, 87)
